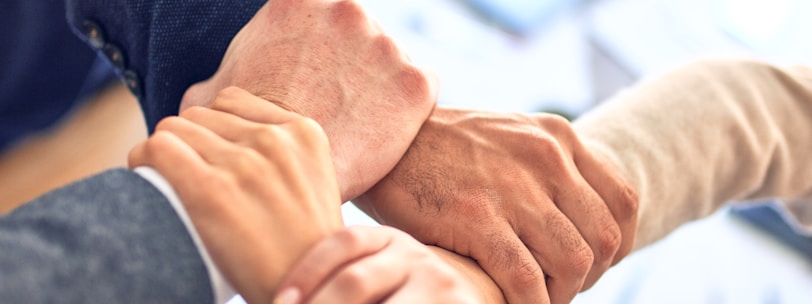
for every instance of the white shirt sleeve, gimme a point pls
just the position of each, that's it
(222, 289)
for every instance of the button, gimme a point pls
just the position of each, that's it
(115, 55)
(93, 33)
(133, 83)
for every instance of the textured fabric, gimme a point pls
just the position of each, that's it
(112, 238)
(223, 291)
(168, 44)
(44, 70)
(737, 130)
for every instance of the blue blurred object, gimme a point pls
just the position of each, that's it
(770, 218)
(519, 16)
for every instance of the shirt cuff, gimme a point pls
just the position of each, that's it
(222, 289)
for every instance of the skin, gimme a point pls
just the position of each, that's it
(539, 212)
(519, 194)
(338, 270)
(246, 183)
(326, 60)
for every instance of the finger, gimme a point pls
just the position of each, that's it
(511, 265)
(619, 197)
(137, 155)
(206, 143)
(171, 157)
(594, 222)
(366, 280)
(241, 103)
(435, 283)
(330, 254)
(225, 125)
(560, 250)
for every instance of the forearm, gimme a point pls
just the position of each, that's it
(489, 291)
(109, 238)
(705, 134)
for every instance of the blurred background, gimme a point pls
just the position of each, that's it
(563, 56)
(567, 56)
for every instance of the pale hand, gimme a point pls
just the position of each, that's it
(259, 193)
(374, 265)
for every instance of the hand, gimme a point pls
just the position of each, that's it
(374, 265)
(328, 61)
(518, 193)
(259, 194)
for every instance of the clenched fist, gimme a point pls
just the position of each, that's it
(329, 61)
(518, 193)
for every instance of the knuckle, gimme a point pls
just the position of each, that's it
(351, 238)
(347, 13)
(608, 241)
(555, 159)
(545, 142)
(265, 139)
(556, 122)
(307, 124)
(628, 202)
(444, 277)
(415, 84)
(265, 133)
(559, 127)
(225, 97)
(167, 124)
(385, 47)
(192, 112)
(160, 141)
(354, 280)
(310, 129)
(230, 92)
(195, 95)
(246, 164)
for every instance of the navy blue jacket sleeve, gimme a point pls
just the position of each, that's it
(160, 47)
(112, 238)
(45, 72)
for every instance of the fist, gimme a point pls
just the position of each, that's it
(518, 193)
(329, 61)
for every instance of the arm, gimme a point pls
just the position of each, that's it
(384, 265)
(517, 193)
(323, 59)
(245, 185)
(282, 159)
(327, 60)
(165, 46)
(109, 238)
(733, 130)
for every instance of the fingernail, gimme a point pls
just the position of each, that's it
(288, 296)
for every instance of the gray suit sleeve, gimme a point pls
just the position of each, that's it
(112, 238)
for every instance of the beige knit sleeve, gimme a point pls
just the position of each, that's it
(705, 134)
